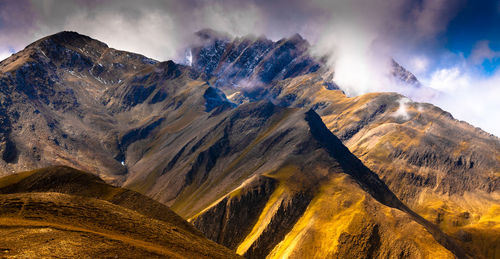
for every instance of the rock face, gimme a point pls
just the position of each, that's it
(400, 73)
(230, 220)
(251, 60)
(53, 104)
(42, 210)
(244, 66)
(291, 168)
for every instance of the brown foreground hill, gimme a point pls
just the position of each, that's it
(65, 213)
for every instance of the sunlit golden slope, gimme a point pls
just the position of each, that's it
(344, 222)
(338, 219)
(446, 170)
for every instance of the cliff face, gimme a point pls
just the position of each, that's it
(249, 60)
(231, 219)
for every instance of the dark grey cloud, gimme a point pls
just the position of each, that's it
(159, 28)
(16, 18)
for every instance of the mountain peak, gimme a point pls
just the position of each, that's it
(270, 164)
(70, 39)
(296, 38)
(403, 75)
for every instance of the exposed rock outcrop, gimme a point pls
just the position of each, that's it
(230, 220)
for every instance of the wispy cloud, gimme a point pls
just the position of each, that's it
(482, 52)
(402, 111)
(4, 55)
(469, 96)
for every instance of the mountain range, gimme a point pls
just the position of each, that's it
(251, 142)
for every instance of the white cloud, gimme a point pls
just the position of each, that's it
(468, 96)
(157, 29)
(449, 79)
(6, 52)
(4, 55)
(402, 111)
(150, 35)
(244, 20)
(357, 68)
(419, 64)
(362, 36)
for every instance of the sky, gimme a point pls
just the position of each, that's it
(452, 46)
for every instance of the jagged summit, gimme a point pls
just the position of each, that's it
(249, 61)
(211, 34)
(296, 39)
(403, 75)
(242, 64)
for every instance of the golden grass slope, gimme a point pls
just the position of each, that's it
(341, 221)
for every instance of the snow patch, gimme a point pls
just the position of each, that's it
(102, 81)
(43, 53)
